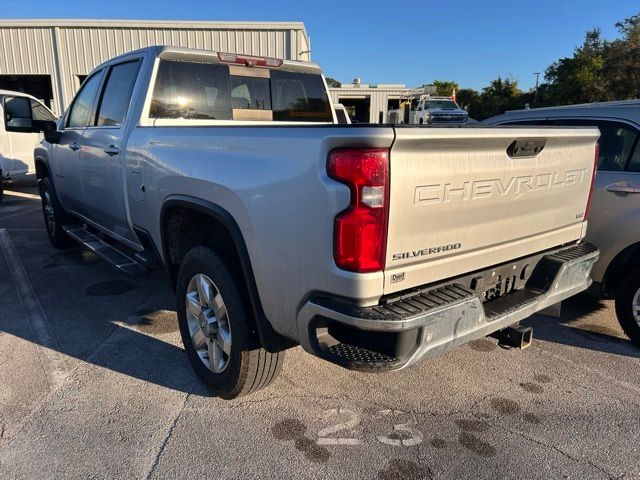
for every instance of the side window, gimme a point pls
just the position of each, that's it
(116, 95)
(80, 113)
(634, 163)
(191, 91)
(40, 112)
(616, 141)
(342, 116)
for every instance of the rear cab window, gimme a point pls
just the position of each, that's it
(217, 91)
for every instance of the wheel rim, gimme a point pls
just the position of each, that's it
(49, 216)
(635, 306)
(208, 322)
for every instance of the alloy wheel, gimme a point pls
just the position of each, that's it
(208, 322)
(49, 214)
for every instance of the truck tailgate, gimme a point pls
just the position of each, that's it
(462, 200)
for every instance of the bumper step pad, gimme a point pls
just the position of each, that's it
(406, 327)
(361, 358)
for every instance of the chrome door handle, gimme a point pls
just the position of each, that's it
(112, 150)
(74, 146)
(621, 189)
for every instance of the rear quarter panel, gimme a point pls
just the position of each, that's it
(273, 181)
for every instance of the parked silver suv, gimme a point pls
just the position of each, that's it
(614, 222)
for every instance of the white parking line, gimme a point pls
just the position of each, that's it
(50, 357)
(12, 193)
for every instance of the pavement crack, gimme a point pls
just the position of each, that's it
(634, 389)
(557, 449)
(167, 437)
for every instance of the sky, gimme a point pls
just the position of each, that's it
(470, 42)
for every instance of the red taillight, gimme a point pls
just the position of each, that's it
(593, 181)
(249, 60)
(360, 232)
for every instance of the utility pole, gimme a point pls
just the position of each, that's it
(535, 93)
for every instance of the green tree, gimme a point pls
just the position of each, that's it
(467, 98)
(445, 88)
(581, 78)
(622, 60)
(500, 95)
(331, 83)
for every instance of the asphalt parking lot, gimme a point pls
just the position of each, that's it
(94, 384)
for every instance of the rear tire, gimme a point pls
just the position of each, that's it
(54, 216)
(217, 330)
(628, 306)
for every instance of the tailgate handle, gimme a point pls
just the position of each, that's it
(526, 147)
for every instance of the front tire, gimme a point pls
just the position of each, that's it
(628, 306)
(217, 331)
(54, 216)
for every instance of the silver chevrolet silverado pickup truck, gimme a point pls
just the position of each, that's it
(372, 246)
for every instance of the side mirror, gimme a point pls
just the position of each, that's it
(18, 117)
(17, 114)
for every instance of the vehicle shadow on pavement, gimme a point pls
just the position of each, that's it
(93, 313)
(580, 326)
(142, 346)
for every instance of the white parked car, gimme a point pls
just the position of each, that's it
(341, 114)
(16, 148)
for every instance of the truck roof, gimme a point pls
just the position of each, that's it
(208, 55)
(624, 109)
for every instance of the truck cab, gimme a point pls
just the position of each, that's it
(439, 110)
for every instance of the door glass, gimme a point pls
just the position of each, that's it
(616, 141)
(80, 112)
(117, 94)
(634, 164)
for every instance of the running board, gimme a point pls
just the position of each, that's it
(105, 251)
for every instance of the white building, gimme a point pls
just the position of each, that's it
(368, 103)
(50, 58)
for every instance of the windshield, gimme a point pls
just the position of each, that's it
(440, 105)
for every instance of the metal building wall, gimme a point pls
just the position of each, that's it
(379, 98)
(30, 46)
